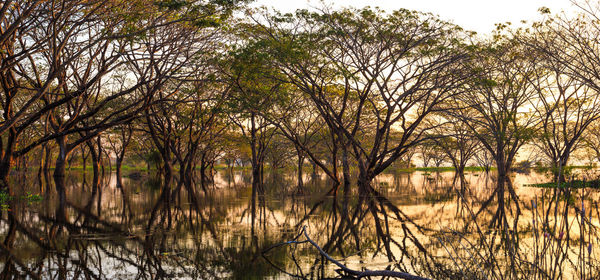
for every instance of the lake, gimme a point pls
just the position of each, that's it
(425, 224)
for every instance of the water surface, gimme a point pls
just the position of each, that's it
(423, 223)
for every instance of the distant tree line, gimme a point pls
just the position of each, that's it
(182, 85)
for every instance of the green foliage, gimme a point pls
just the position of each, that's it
(171, 4)
(258, 85)
(4, 198)
(29, 198)
(486, 82)
(153, 157)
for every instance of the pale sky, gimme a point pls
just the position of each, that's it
(475, 15)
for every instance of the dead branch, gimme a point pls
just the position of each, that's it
(350, 272)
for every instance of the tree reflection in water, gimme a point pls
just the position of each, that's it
(431, 225)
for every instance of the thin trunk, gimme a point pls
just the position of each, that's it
(83, 159)
(256, 165)
(118, 164)
(41, 165)
(460, 173)
(300, 165)
(346, 169)
(167, 167)
(46, 167)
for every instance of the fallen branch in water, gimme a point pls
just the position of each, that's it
(356, 273)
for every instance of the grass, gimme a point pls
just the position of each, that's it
(124, 167)
(575, 184)
(566, 170)
(478, 168)
(236, 167)
(438, 197)
(438, 169)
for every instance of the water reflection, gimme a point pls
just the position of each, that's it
(427, 224)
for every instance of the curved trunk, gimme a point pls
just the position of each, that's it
(203, 177)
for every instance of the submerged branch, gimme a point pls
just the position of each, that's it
(355, 273)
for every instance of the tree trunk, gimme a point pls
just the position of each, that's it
(41, 165)
(42, 162)
(364, 182)
(118, 164)
(47, 160)
(61, 159)
(558, 168)
(182, 175)
(460, 174)
(7, 157)
(500, 217)
(300, 165)
(203, 176)
(256, 164)
(167, 167)
(96, 157)
(83, 160)
(345, 168)
(261, 167)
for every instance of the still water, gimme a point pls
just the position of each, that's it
(426, 224)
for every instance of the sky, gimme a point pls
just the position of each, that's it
(474, 15)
